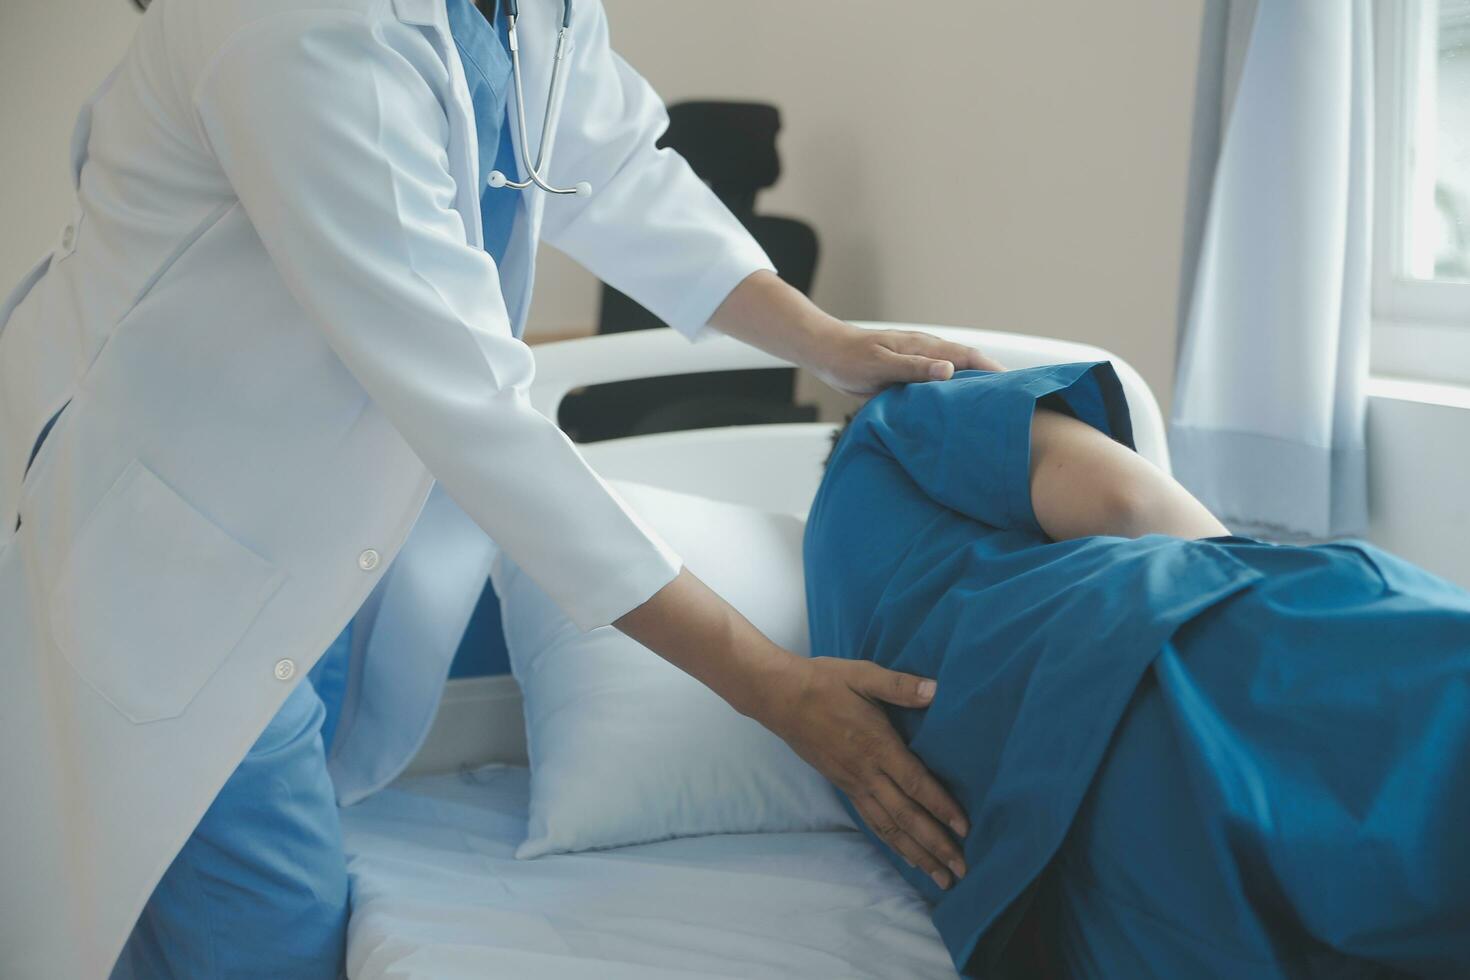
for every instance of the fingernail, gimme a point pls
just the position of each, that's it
(959, 828)
(940, 370)
(941, 879)
(927, 689)
(958, 867)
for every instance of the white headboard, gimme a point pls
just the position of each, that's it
(776, 467)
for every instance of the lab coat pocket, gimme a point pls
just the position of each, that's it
(153, 597)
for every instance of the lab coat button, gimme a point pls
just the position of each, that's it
(285, 670)
(368, 560)
(68, 235)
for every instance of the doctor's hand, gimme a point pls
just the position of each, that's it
(767, 313)
(828, 710)
(864, 362)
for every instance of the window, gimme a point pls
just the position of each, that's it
(1421, 282)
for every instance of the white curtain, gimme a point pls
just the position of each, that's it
(1269, 406)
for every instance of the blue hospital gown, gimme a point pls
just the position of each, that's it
(1166, 740)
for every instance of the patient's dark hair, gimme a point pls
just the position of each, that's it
(837, 438)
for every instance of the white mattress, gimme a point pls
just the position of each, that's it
(437, 894)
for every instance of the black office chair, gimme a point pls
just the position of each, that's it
(732, 146)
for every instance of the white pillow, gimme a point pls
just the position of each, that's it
(626, 748)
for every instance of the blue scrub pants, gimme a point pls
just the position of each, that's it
(260, 888)
(1288, 792)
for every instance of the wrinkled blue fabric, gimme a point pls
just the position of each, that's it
(260, 888)
(1295, 690)
(330, 678)
(1285, 796)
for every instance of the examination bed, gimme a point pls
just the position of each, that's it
(436, 890)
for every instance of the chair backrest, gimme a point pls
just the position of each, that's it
(732, 147)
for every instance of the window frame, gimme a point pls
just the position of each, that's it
(1421, 328)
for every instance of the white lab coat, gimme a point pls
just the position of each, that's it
(274, 329)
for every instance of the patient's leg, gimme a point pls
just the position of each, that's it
(1084, 483)
(1285, 796)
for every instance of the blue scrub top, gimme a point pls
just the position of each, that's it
(924, 555)
(484, 53)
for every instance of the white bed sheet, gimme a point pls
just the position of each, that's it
(437, 894)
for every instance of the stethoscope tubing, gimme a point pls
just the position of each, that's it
(535, 171)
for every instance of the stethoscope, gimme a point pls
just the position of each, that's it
(553, 107)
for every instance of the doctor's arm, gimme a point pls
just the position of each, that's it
(653, 229)
(331, 131)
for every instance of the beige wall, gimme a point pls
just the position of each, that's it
(53, 53)
(1012, 164)
(1004, 163)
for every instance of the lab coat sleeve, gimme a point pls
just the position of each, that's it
(330, 131)
(651, 227)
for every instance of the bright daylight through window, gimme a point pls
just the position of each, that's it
(1421, 281)
(1438, 213)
